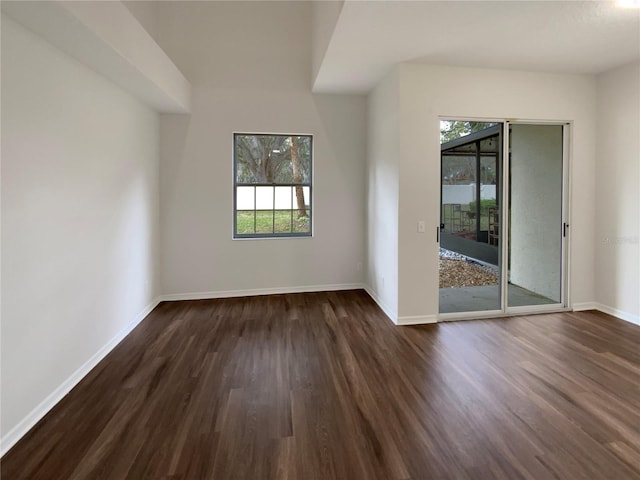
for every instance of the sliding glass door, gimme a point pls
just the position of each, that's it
(503, 217)
(470, 276)
(536, 223)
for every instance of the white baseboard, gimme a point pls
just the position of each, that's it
(622, 315)
(17, 432)
(259, 291)
(417, 320)
(579, 307)
(385, 308)
(406, 320)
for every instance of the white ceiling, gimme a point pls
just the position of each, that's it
(582, 37)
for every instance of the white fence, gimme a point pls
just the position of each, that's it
(284, 198)
(464, 194)
(268, 198)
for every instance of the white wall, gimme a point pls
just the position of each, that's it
(617, 192)
(382, 194)
(79, 222)
(106, 37)
(535, 225)
(428, 92)
(249, 66)
(325, 15)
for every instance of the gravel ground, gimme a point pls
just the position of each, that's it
(459, 271)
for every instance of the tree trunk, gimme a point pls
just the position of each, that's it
(297, 178)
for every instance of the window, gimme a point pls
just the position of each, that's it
(272, 185)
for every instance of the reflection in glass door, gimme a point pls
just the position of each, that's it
(536, 228)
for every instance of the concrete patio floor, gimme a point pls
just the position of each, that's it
(475, 299)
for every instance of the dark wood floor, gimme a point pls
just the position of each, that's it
(323, 386)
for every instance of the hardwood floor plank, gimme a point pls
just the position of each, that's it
(322, 386)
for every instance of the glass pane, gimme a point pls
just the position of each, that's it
(307, 195)
(245, 198)
(264, 198)
(273, 158)
(245, 222)
(302, 224)
(284, 198)
(469, 255)
(283, 220)
(535, 221)
(264, 221)
(302, 212)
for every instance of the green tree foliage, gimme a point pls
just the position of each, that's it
(452, 129)
(267, 159)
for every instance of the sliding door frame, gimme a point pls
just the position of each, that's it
(565, 290)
